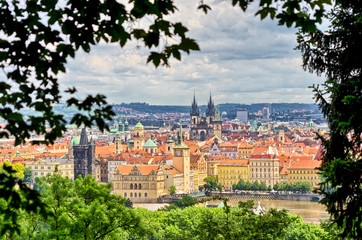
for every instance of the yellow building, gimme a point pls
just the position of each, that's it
(245, 151)
(264, 168)
(213, 162)
(173, 177)
(41, 168)
(199, 167)
(232, 171)
(139, 183)
(305, 170)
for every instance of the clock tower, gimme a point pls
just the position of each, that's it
(181, 160)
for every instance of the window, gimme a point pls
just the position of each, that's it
(131, 187)
(131, 194)
(42, 167)
(125, 194)
(139, 194)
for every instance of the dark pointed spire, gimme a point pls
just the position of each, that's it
(83, 138)
(210, 107)
(194, 108)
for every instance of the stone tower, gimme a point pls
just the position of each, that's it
(181, 160)
(217, 123)
(84, 156)
(138, 136)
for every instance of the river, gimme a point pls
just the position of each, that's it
(309, 211)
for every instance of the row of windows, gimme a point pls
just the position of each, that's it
(260, 164)
(303, 172)
(303, 177)
(135, 178)
(256, 170)
(234, 176)
(261, 175)
(49, 167)
(232, 171)
(135, 195)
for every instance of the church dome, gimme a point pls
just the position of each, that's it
(139, 126)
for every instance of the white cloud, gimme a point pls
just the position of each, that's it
(243, 60)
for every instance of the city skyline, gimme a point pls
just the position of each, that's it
(242, 59)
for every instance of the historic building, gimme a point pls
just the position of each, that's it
(232, 171)
(181, 160)
(305, 170)
(204, 126)
(140, 183)
(264, 168)
(84, 156)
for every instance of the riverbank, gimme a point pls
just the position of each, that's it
(311, 212)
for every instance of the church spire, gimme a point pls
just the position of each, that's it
(194, 108)
(210, 107)
(83, 138)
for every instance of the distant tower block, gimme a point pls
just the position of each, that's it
(242, 115)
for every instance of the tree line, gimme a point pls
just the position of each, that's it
(301, 186)
(86, 209)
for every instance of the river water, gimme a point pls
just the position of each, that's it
(309, 211)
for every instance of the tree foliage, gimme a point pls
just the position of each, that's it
(16, 198)
(17, 167)
(211, 184)
(27, 175)
(336, 54)
(38, 38)
(172, 190)
(83, 209)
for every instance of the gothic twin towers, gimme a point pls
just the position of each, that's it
(202, 126)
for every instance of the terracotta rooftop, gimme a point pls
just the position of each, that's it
(144, 169)
(235, 163)
(306, 164)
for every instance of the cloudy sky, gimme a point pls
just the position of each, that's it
(242, 60)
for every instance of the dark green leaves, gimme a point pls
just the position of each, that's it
(39, 38)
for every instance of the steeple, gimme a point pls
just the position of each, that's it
(83, 138)
(180, 139)
(210, 107)
(194, 108)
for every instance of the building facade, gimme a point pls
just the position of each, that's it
(264, 168)
(139, 183)
(232, 171)
(305, 170)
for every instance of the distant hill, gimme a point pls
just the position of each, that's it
(229, 108)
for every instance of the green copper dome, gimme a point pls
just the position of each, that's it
(138, 126)
(149, 143)
(75, 141)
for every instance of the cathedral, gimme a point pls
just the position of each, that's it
(204, 126)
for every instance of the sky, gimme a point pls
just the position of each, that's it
(242, 60)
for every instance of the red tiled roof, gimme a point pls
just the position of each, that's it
(306, 164)
(144, 169)
(235, 163)
(262, 156)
